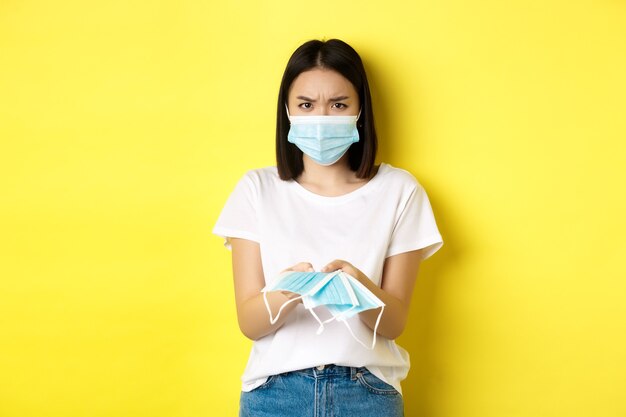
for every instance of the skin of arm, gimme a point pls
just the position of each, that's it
(399, 276)
(252, 315)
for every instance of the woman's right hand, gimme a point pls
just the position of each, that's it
(299, 267)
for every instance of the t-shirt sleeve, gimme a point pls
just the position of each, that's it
(238, 218)
(415, 227)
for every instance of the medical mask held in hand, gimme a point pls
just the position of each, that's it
(343, 295)
(325, 139)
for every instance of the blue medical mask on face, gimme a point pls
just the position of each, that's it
(325, 139)
(343, 295)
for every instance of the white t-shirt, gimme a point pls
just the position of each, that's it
(389, 215)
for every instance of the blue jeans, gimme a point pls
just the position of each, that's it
(323, 391)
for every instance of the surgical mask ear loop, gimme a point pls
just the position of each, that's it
(273, 320)
(382, 308)
(321, 328)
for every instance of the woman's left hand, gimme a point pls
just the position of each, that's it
(348, 268)
(396, 286)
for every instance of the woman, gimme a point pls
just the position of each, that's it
(325, 207)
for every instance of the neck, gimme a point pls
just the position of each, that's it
(334, 180)
(332, 175)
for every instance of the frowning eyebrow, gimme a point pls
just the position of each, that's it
(340, 98)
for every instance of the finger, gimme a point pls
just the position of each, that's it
(290, 295)
(301, 267)
(335, 265)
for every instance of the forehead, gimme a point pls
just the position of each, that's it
(320, 81)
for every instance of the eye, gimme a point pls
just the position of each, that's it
(339, 106)
(305, 105)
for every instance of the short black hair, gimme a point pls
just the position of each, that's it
(338, 56)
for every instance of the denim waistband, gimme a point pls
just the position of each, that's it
(333, 370)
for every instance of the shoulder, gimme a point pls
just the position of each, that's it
(398, 177)
(261, 180)
(262, 175)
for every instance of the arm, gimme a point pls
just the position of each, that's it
(252, 315)
(398, 280)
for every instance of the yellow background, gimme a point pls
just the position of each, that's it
(125, 125)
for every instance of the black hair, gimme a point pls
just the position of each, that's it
(338, 56)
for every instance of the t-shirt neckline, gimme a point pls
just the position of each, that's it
(340, 198)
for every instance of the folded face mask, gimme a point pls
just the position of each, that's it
(343, 295)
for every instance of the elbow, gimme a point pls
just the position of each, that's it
(249, 331)
(392, 327)
(253, 325)
(253, 332)
(248, 334)
(398, 329)
(391, 333)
